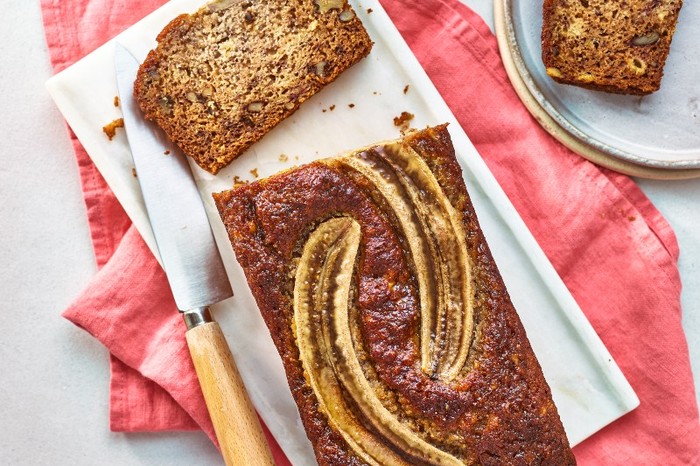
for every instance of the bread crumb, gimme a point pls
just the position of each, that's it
(116, 101)
(167, 152)
(133, 172)
(254, 172)
(631, 218)
(351, 105)
(405, 89)
(332, 107)
(296, 157)
(402, 121)
(237, 181)
(110, 129)
(283, 157)
(369, 11)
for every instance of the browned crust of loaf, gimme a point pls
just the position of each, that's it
(606, 50)
(216, 129)
(268, 219)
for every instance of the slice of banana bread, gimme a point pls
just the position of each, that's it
(222, 77)
(397, 334)
(608, 45)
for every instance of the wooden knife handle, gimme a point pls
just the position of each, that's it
(235, 421)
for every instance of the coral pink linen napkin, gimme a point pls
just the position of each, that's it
(613, 249)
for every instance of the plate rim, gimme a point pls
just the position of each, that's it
(599, 150)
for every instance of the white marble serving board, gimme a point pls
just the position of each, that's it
(588, 387)
(660, 130)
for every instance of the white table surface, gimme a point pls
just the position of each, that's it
(54, 377)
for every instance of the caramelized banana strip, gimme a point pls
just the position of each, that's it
(435, 236)
(321, 306)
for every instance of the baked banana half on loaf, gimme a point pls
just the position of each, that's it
(398, 337)
(223, 77)
(608, 45)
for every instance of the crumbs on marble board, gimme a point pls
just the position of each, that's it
(405, 89)
(110, 129)
(237, 181)
(133, 172)
(403, 121)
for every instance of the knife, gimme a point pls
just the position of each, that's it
(195, 272)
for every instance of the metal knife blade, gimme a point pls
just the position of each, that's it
(195, 271)
(179, 221)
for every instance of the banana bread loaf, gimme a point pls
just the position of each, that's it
(608, 45)
(398, 337)
(222, 77)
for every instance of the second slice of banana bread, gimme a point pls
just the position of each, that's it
(612, 46)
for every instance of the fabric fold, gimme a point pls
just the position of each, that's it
(137, 404)
(129, 308)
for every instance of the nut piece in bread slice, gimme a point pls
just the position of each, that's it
(224, 76)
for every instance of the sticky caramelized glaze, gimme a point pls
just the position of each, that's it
(399, 340)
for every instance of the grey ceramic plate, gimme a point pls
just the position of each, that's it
(661, 130)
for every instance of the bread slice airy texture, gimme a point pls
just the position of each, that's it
(399, 340)
(223, 77)
(617, 46)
